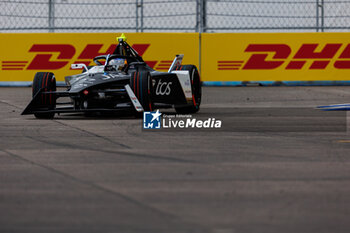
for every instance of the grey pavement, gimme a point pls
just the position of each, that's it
(104, 174)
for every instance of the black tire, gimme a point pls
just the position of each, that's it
(140, 83)
(196, 90)
(47, 82)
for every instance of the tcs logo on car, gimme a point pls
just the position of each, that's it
(58, 56)
(273, 56)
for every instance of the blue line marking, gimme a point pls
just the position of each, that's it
(16, 84)
(336, 109)
(334, 106)
(25, 84)
(218, 83)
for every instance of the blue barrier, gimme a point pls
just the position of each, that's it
(25, 84)
(223, 84)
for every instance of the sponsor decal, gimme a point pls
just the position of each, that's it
(163, 88)
(273, 56)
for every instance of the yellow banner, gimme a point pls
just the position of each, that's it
(275, 56)
(22, 55)
(224, 56)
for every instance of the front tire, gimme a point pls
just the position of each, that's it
(140, 83)
(196, 90)
(44, 81)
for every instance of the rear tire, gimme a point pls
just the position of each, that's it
(140, 83)
(44, 81)
(196, 90)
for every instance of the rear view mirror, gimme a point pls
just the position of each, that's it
(78, 66)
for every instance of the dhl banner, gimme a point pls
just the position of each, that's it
(22, 55)
(275, 57)
(223, 58)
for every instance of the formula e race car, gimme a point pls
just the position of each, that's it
(121, 81)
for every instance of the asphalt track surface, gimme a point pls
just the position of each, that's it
(104, 174)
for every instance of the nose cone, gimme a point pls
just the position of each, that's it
(122, 38)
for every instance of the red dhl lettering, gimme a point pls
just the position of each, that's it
(45, 59)
(42, 61)
(283, 57)
(257, 61)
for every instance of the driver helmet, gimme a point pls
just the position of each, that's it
(118, 63)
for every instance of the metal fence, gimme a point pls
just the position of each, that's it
(179, 16)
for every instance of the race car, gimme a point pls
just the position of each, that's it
(121, 81)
